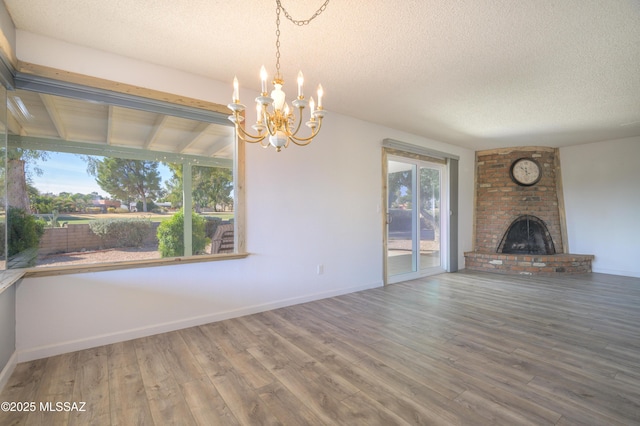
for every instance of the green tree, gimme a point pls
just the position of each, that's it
(126, 179)
(173, 190)
(400, 188)
(211, 186)
(19, 171)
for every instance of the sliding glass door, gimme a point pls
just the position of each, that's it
(415, 225)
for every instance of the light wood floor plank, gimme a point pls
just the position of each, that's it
(243, 401)
(128, 399)
(56, 386)
(23, 386)
(166, 401)
(205, 403)
(235, 354)
(286, 406)
(91, 389)
(468, 348)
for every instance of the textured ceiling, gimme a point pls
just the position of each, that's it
(475, 73)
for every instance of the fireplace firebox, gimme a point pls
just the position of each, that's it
(527, 235)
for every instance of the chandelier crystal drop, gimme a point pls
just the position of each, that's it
(276, 125)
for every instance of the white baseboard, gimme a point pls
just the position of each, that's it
(633, 274)
(8, 370)
(30, 354)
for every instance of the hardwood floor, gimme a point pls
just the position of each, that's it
(465, 348)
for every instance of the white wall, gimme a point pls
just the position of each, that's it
(305, 206)
(7, 332)
(602, 199)
(7, 30)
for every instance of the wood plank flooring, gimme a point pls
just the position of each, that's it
(467, 348)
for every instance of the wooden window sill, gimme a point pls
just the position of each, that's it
(77, 269)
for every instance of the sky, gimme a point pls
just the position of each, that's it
(68, 173)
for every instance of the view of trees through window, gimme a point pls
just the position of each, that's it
(84, 184)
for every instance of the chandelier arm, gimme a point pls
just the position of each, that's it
(269, 122)
(248, 137)
(271, 126)
(297, 127)
(306, 141)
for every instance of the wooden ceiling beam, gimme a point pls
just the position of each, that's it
(54, 114)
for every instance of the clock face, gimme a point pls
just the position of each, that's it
(525, 172)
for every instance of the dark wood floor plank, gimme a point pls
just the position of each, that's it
(468, 348)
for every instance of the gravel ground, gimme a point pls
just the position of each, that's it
(99, 256)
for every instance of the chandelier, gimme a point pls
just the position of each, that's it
(277, 125)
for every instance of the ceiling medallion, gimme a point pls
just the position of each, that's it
(276, 124)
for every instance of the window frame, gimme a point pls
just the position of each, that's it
(61, 83)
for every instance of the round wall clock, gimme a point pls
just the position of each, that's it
(525, 171)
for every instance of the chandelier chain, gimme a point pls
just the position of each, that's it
(299, 23)
(303, 21)
(278, 75)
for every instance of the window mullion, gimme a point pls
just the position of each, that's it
(187, 205)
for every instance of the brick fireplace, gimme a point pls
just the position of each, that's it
(520, 229)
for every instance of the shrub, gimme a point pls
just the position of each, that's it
(111, 209)
(129, 232)
(93, 210)
(25, 232)
(171, 235)
(53, 219)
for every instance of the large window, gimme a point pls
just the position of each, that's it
(93, 181)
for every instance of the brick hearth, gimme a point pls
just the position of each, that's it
(499, 201)
(529, 264)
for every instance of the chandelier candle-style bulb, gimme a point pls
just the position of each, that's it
(312, 106)
(259, 113)
(263, 79)
(300, 83)
(320, 93)
(236, 95)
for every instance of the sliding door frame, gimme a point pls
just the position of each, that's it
(391, 147)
